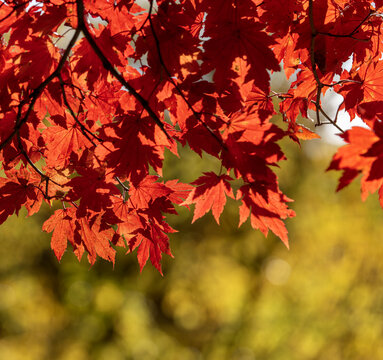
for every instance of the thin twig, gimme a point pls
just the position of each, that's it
(331, 121)
(35, 168)
(350, 35)
(280, 95)
(337, 112)
(84, 130)
(121, 183)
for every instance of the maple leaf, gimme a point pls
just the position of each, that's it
(20, 188)
(85, 234)
(170, 34)
(96, 239)
(261, 101)
(279, 22)
(93, 189)
(366, 85)
(237, 34)
(85, 62)
(349, 158)
(210, 194)
(130, 221)
(151, 243)
(363, 154)
(179, 192)
(266, 210)
(250, 127)
(63, 227)
(132, 145)
(65, 142)
(199, 139)
(251, 146)
(40, 53)
(146, 191)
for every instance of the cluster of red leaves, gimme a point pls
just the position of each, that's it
(87, 123)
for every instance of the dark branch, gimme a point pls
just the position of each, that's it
(109, 67)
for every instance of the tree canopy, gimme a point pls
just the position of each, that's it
(87, 124)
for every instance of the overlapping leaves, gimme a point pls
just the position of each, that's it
(88, 122)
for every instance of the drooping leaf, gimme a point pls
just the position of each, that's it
(210, 194)
(63, 227)
(266, 210)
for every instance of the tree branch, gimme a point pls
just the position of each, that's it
(109, 67)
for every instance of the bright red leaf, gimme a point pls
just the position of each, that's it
(210, 194)
(266, 210)
(63, 227)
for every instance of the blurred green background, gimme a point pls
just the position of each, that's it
(229, 293)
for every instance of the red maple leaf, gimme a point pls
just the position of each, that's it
(300, 132)
(20, 188)
(141, 140)
(363, 154)
(237, 34)
(210, 194)
(179, 192)
(65, 143)
(97, 239)
(93, 189)
(88, 234)
(146, 191)
(266, 209)
(63, 227)
(151, 243)
(130, 221)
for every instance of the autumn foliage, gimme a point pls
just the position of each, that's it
(88, 123)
